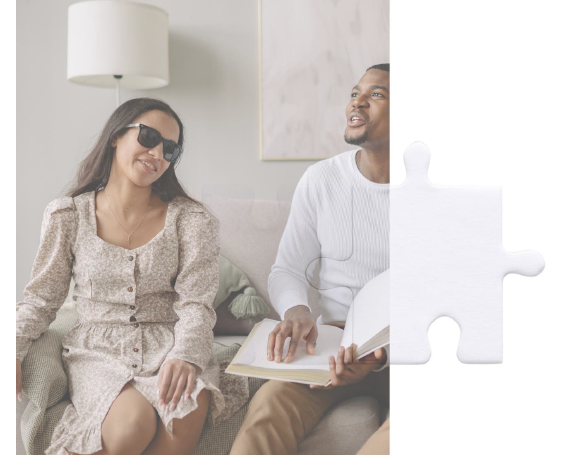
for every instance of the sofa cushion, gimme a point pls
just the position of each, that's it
(45, 384)
(228, 324)
(234, 288)
(250, 233)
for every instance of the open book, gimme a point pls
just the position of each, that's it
(367, 326)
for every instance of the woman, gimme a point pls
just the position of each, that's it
(144, 258)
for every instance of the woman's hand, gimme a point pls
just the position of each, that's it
(176, 377)
(18, 380)
(347, 370)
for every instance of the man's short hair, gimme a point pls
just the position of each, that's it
(380, 66)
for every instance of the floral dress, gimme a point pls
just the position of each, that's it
(137, 309)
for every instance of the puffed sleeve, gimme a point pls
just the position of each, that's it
(196, 285)
(51, 274)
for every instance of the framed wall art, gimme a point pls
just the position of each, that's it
(312, 53)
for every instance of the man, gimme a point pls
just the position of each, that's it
(339, 213)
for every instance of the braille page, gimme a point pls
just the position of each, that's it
(255, 353)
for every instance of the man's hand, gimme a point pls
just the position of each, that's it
(347, 370)
(298, 324)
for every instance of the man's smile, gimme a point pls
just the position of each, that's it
(355, 119)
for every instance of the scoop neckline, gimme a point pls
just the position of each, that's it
(362, 177)
(94, 227)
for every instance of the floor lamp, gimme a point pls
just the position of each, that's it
(117, 43)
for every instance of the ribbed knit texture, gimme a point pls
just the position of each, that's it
(340, 216)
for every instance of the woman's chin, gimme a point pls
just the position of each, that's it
(144, 179)
(142, 182)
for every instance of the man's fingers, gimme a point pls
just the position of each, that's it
(296, 337)
(293, 344)
(279, 347)
(321, 387)
(311, 340)
(272, 341)
(348, 356)
(340, 365)
(332, 373)
(375, 357)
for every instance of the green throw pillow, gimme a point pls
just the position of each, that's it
(246, 304)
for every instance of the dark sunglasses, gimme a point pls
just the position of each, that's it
(149, 138)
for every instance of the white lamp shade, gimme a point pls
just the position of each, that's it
(115, 37)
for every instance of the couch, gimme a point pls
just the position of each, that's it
(250, 235)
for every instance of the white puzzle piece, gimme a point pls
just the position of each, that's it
(446, 259)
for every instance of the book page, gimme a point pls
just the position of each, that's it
(255, 353)
(369, 312)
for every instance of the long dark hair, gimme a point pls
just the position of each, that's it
(94, 171)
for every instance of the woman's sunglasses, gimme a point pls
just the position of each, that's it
(149, 138)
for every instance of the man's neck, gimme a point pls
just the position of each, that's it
(374, 164)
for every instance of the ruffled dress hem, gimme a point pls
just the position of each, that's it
(82, 438)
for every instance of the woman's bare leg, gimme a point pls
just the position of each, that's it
(130, 424)
(186, 431)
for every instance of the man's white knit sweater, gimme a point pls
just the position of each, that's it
(340, 216)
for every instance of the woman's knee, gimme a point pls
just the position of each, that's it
(186, 431)
(130, 425)
(131, 436)
(135, 425)
(193, 423)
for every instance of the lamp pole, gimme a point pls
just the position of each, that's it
(117, 77)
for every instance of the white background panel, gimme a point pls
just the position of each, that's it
(489, 87)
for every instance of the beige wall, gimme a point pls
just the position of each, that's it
(214, 87)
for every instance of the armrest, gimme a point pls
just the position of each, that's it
(44, 383)
(43, 377)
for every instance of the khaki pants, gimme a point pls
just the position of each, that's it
(283, 413)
